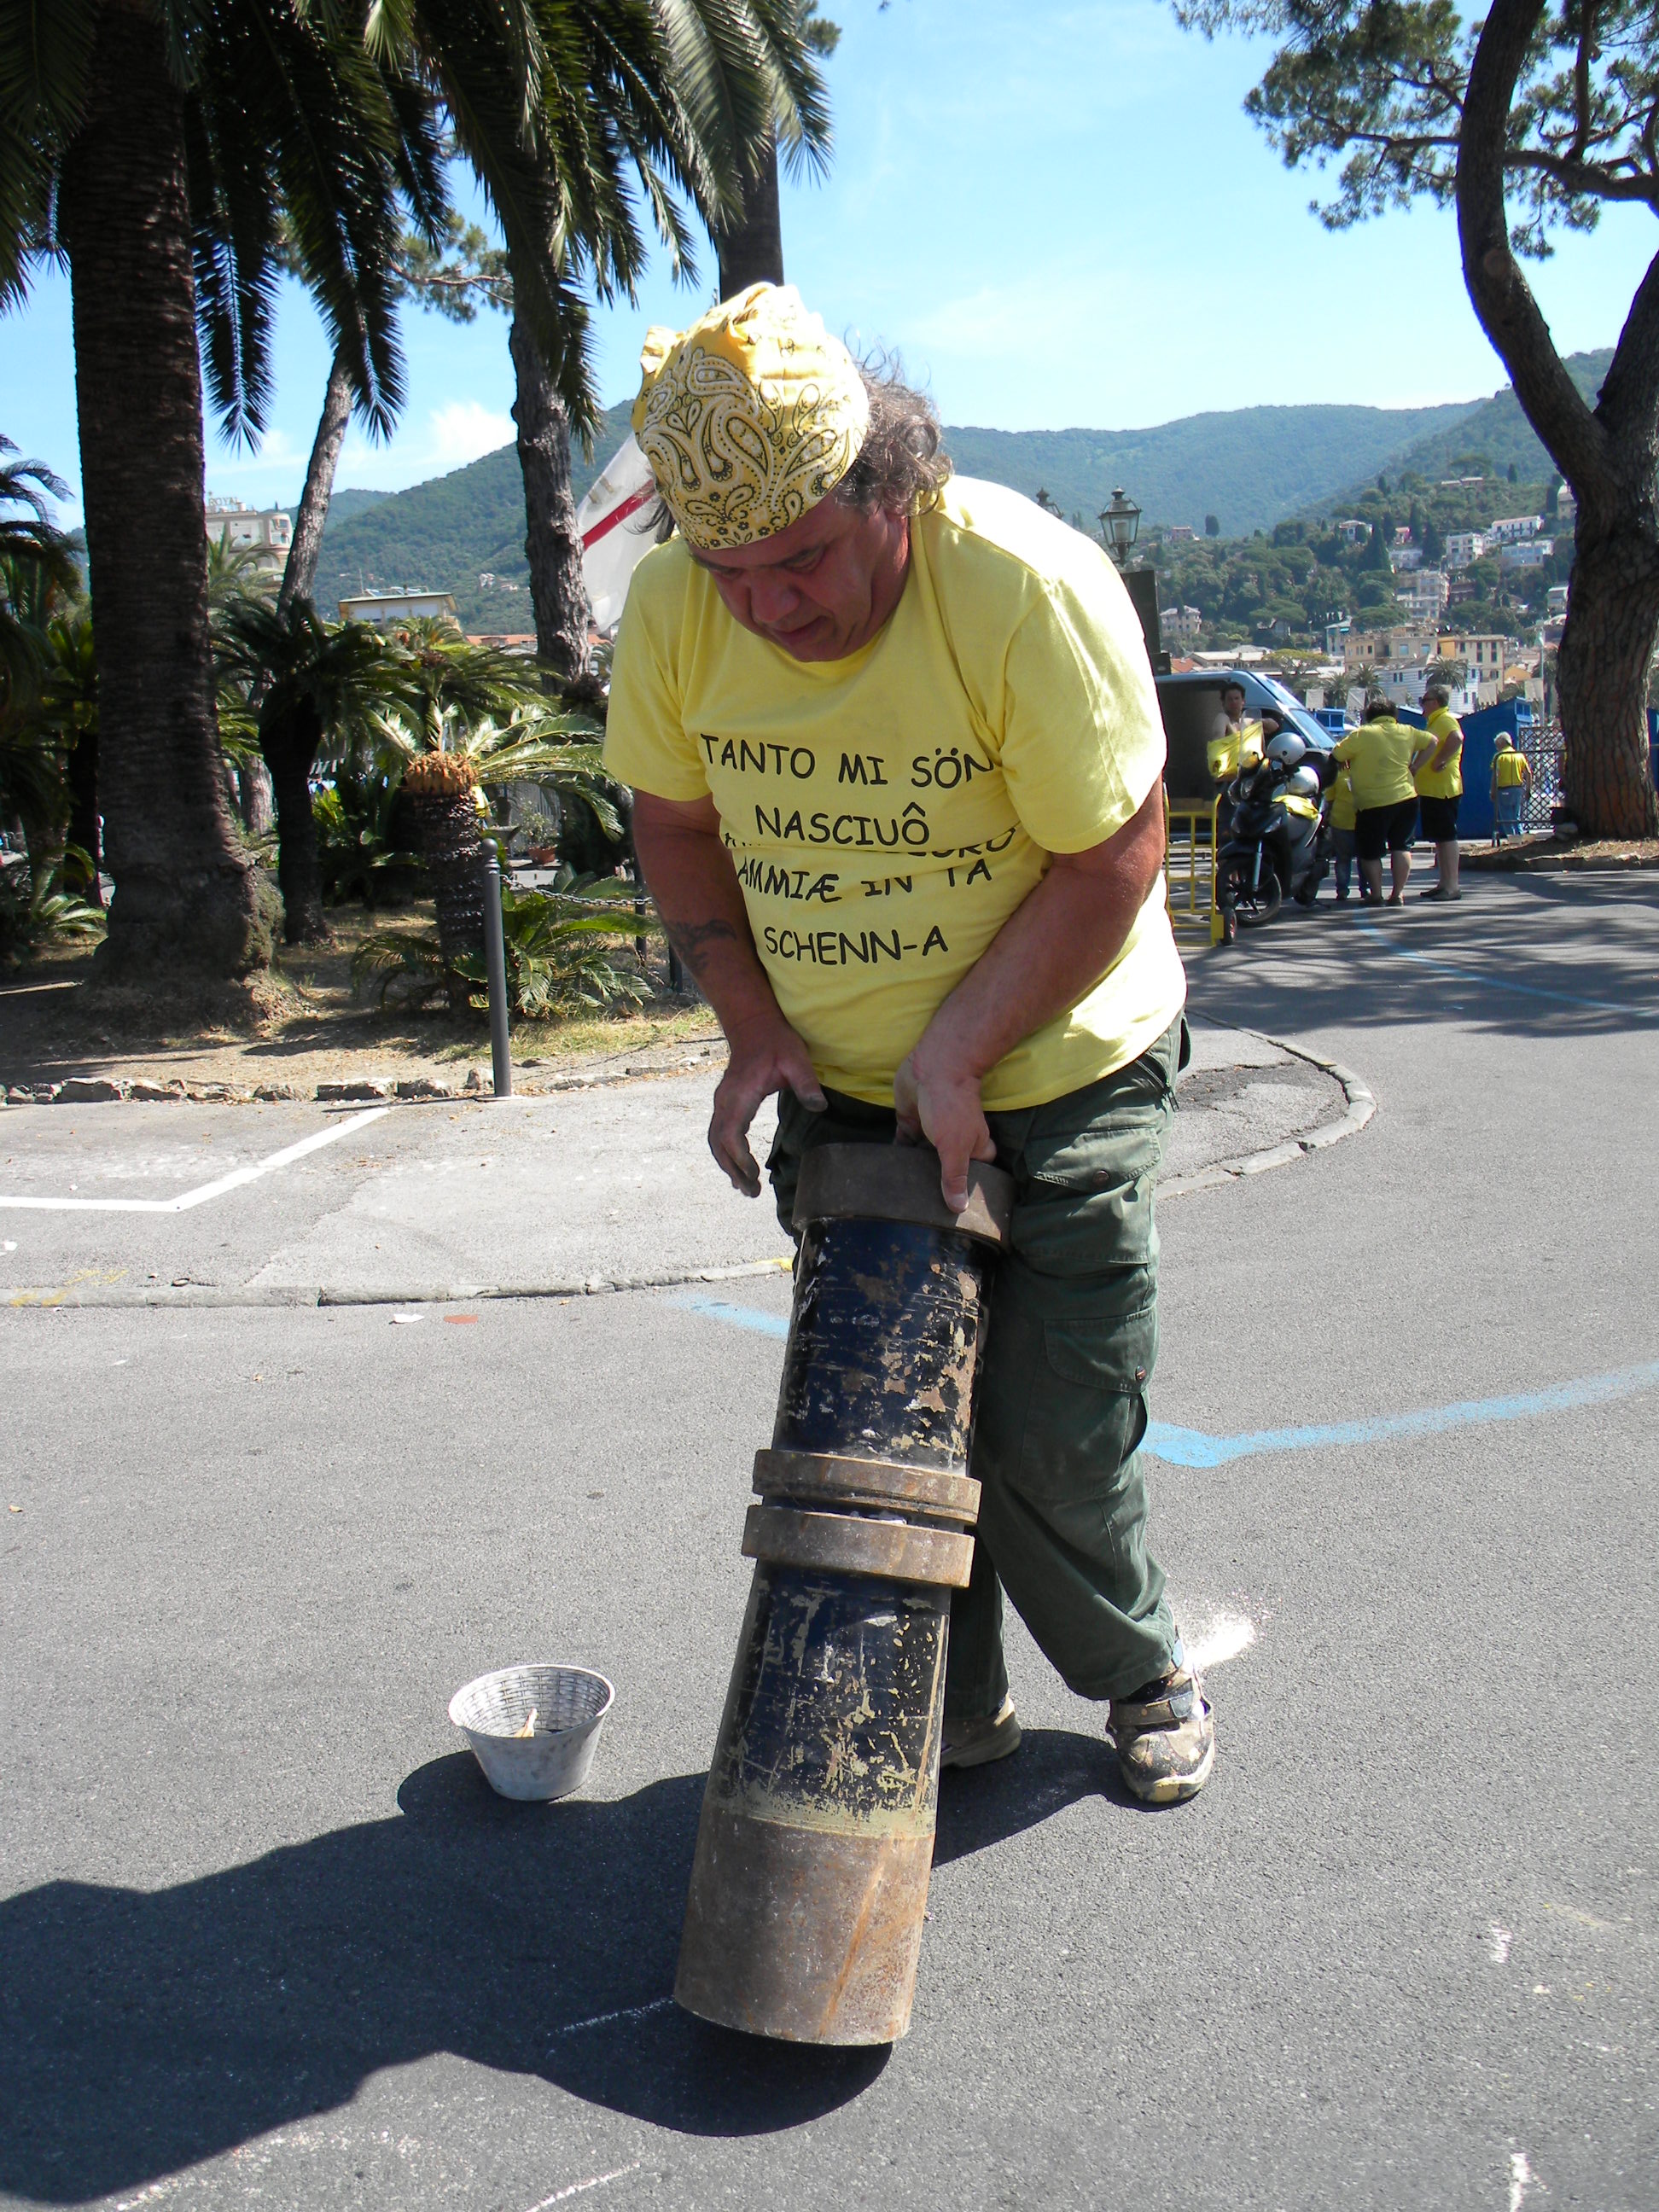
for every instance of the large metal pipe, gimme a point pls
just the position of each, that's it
(810, 1880)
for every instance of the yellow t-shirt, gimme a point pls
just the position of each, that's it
(1511, 767)
(1234, 750)
(886, 813)
(1379, 760)
(1443, 782)
(1342, 803)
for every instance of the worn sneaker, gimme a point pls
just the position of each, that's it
(1165, 1738)
(977, 1742)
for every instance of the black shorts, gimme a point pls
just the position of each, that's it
(1390, 828)
(1439, 819)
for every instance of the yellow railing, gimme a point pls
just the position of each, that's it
(1190, 866)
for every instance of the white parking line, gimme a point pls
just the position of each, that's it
(233, 1181)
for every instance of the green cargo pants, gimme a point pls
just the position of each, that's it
(1062, 1394)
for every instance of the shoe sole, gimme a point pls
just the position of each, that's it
(1172, 1788)
(1002, 1743)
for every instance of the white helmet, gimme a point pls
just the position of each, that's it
(1286, 750)
(1304, 783)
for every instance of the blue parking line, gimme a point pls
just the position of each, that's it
(1495, 983)
(763, 1324)
(1198, 1448)
(1195, 1448)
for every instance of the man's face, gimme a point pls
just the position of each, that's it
(820, 589)
(1232, 702)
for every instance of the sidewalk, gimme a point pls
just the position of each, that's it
(608, 1185)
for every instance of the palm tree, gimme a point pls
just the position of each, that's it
(157, 147)
(750, 246)
(683, 101)
(319, 691)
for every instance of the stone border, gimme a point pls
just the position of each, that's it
(1362, 1104)
(368, 1091)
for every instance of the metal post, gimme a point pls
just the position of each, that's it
(496, 962)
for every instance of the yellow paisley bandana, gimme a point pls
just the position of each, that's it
(750, 417)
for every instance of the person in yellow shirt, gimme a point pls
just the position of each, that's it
(896, 758)
(1237, 740)
(1439, 786)
(1381, 757)
(1511, 787)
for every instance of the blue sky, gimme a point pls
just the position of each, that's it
(1058, 215)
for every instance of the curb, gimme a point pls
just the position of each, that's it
(1362, 1104)
(417, 1091)
(198, 1296)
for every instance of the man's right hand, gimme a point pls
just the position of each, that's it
(766, 1057)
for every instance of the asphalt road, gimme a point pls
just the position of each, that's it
(266, 1940)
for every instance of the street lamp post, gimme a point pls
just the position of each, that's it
(1118, 524)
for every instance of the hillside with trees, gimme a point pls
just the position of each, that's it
(1278, 471)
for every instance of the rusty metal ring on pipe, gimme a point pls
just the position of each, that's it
(847, 1544)
(902, 1489)
(900, 1183)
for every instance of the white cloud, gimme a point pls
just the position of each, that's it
(464, 430)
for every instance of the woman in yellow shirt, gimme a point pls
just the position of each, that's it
(1381, 756)
(1439, 786)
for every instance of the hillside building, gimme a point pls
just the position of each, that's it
(1352, 531)
(378, 608)
(1510, 529)
(1386, 648)
(1463, 548)
(266, 532)
(1181, 534)
(1182, 624)
(1423, 594)
(1531, 554)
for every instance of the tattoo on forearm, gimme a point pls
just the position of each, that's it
(693, 939)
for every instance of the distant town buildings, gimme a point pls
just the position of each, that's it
(1510, 529)
(264, 532)
(1532, 553)
(1182, 624)
(378, 608)
(1555, 599)
(1352, 531)
(1181, 534)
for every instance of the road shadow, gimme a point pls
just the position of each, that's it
(144, 2032)
(1521, 956)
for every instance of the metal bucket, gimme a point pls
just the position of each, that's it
(569, 1705)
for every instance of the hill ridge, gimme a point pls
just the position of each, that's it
(1251, 467)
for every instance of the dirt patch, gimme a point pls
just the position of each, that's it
(302, 1024)
(1564, 854)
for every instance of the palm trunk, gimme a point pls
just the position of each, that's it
(83, 809)
(551, 544)
(300, 575)
(453, 847)
(290, 758)
(752, 251)
(185, 901)
(1601, 675)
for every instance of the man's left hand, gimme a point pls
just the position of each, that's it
(944, 1107)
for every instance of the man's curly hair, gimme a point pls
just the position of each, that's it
(902, 465)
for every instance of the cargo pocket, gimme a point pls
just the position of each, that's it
(1086, 1413)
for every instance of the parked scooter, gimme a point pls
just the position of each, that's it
(1275, 844)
